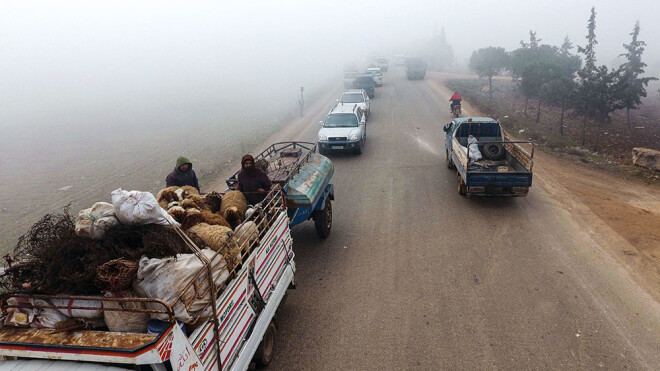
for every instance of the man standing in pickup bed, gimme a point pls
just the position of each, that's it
(252, 181)
(182, 175)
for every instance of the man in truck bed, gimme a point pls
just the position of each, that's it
(252, 181)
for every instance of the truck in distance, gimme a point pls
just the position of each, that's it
(415, 68)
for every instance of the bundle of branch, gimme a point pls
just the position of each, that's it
(52, 259)
(151, 240)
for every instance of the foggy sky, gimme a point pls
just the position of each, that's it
(125, 59)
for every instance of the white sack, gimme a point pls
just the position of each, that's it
(96, 220)
(125, 321)
(95, 306)
(166, 279)
(47, 318)
(475, 155)
(137, 208)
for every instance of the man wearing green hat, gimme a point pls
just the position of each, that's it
(182, 175)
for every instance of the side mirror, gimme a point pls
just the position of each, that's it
(321, 123)
(446, 128)
(337, 100)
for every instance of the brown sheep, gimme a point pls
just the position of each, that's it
(166, 195)
(191, 218)
(218, 238)
(214, 219)
(195, 202)
(213, 200)
(177, 212)
(233, 208)
(188, 190)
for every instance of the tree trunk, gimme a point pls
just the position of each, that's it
(490, 87)
(597, 136)
(561, 120)
(584, 130)
(526, 100)
(628, 116)
(538, 112)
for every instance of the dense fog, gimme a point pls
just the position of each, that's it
(101, 94)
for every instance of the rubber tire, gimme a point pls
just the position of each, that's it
(493, 151)
(322, 151)
(323, 220)
(462, 188)
(359, 149)
(450, 165)
(266, 349)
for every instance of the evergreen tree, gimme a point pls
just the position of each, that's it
(587, 75)
(632, 87)
(488, 62)
(563, 89)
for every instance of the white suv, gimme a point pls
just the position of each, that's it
(377, 74)
(345, 129)
(359, 97)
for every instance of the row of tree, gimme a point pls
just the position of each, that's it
(556, 76)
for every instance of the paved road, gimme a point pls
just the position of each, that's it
(414, 276)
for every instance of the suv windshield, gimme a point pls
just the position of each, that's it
(352, 98)
(341, 120)
(374, 72)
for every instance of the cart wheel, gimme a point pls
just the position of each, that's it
(450, 165)
(323, 220)
(462, 188)
(266, 348)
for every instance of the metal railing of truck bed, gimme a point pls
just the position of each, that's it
(207, 282)
(279, 171)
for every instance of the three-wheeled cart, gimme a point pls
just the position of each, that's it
(304, 176)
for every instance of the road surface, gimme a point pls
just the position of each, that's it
(415, 276)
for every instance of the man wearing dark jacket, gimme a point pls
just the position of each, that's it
(182, 175)
(252, 181)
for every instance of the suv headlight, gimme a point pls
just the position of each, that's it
(353, 136)
(322, 137)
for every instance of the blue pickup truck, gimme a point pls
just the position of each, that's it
(487, 163)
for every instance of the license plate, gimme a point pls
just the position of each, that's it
(337, 147)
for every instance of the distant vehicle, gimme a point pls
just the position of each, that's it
(367, 83)
(399, 60)
(487, 162)
(415, 68)
(382, 63)
(344, 129)
(349, 77)
(359, 97)
(377, 74)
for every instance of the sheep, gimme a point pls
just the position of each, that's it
(166, 195)
(246, 232)
(191, 218)
(214, 219)
(213, 200)
(177, 212)
(218, 238)
(189, 190)
(194, 201)
(233, 208)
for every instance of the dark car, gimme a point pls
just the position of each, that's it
(367, 83)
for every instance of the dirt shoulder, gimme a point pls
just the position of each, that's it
(621, 213)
